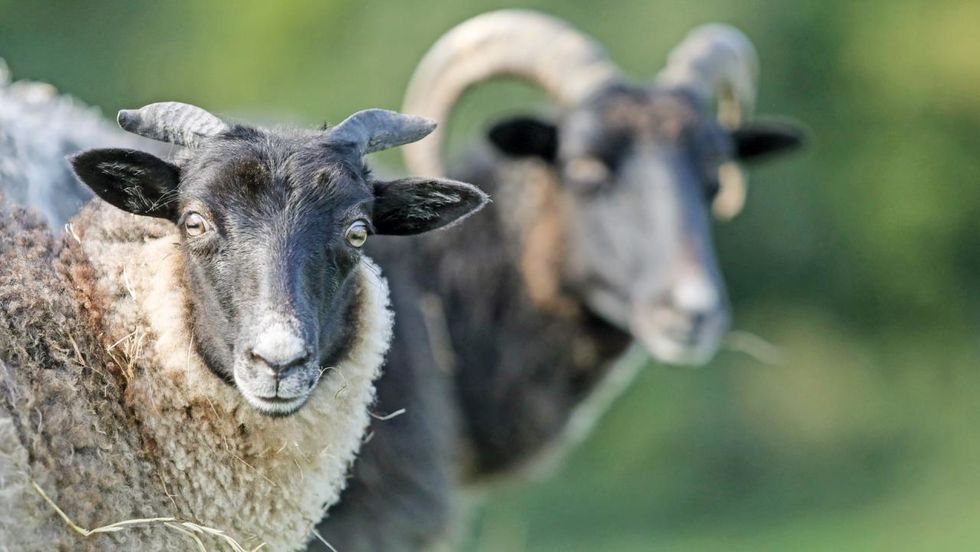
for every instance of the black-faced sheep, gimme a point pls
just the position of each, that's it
(599, 236)
(205, 347)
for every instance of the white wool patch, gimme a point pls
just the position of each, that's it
(226, 465)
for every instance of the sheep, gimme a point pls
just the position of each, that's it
(38, 128)
(598, 237)
(197, 353)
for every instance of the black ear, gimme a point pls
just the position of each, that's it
(525, 137)
(760, 139)
(131, 180)
(416, 205)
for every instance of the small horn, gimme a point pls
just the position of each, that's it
(716, 61)
(544, 50)
(174, 122)
(374, 130)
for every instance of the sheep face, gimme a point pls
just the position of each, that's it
(638, 169)
(271, 242)
(271, 226)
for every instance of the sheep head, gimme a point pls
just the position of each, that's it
(639, 166)
(271, 226)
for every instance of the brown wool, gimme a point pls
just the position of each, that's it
(107, 407)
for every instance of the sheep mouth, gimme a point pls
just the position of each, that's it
(681, 352)
(276, 406)
(273, 396)
(674, 340)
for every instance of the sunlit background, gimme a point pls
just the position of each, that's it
(858, 259)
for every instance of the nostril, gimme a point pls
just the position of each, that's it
(684, 323)
(302, 358)
(280, 364)
(279, 347)
(698, 321)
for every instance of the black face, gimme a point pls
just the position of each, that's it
(639, 168)
(271, 228)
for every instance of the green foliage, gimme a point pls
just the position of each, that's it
(859, 259)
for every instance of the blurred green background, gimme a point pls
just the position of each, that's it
(859, 259)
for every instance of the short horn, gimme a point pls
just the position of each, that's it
(567, 64)
(174, 122)
(716, 61)
(720, 64)
(374, 130)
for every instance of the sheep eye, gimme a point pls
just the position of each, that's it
(194, 224)
(357, 234)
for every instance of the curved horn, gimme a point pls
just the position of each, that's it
(174, 122)
(379, 129)
(544, 50)
(717, 61)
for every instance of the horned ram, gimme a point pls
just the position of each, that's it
(599, 236)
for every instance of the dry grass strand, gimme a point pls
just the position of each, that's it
(188, 528)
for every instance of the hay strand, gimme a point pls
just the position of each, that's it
(187, 528)
(323, 540)
(386, 417)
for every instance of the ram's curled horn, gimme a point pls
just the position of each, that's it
(719, 63)
(374, 130)
(174, 122)
(564, 62)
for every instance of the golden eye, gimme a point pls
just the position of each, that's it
(194, 224)
(357, 234)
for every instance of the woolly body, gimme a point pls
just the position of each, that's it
(105, 404)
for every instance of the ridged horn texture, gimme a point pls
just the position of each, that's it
(173, 122)
(379, 129)
(718, 62)
(567, 64)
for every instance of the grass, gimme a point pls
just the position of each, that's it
(191, 530)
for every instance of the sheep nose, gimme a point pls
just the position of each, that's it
(279, 350)
(280, 366)
(694, 296)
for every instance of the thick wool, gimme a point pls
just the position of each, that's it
(105, 404)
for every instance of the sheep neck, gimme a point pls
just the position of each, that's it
(222, 463)
(526, 354)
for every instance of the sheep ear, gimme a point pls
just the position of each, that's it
(131, 180)
(525, 137)
(416, 205)
(759, 139)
